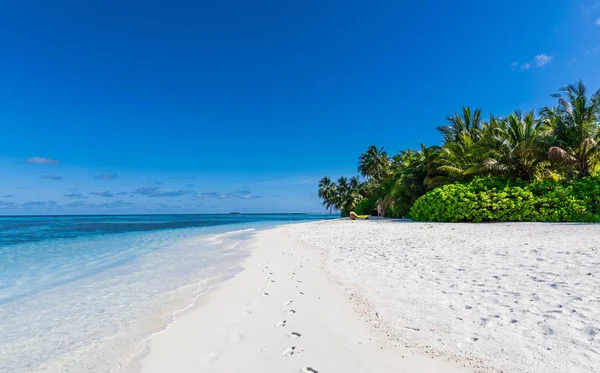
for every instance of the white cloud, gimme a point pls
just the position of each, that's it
(152, 191)
(106, 177)
(598, 21)
(538, 61)
(542, 60)
(572, 61)
(41, 160)
(102, 193)
(593, 50)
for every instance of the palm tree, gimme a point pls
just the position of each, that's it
(348, 194)
(563, 142)
(469, 124)
(327, 192)
(461, 159)
(374, 163)
(575, 127)
(414, 173)
(517, 147)
(490, 127)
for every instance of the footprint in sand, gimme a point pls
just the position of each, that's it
(290, 312)
(265, 294)
(295, 335)
(289, 351)
(281, 324)
(236, 338)
(298, 282)
(246, 313)
(300, 293)
(472, 338)
(309, 370)
(210, 358)
(287, 303)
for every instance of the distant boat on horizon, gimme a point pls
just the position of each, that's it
(234, 213)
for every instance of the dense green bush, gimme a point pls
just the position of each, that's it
(367, 206)
(487, 199)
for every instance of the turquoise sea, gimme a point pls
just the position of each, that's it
(82, 293)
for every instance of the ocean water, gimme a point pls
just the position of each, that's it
(83, 293)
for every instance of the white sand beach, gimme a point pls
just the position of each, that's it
(386, 296)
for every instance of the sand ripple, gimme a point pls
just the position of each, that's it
(522, 297)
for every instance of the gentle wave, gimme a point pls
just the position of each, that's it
(86, 303)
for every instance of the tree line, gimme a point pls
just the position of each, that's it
(559, 143)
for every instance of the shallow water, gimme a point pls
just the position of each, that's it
(81, 293)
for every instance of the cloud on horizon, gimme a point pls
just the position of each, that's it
(75, 195)
(41, 160)
(175, 193)
(207, 195)
(102, 193)
(241, 194)
(156, 192)
(39, 204)
(113, 204)
(107, 205)
(106, 177)
(51, 177)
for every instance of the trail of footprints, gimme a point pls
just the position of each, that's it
(291, 350)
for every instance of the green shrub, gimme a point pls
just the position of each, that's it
(488, 199)
(367, 206)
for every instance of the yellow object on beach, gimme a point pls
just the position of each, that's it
(354, 216)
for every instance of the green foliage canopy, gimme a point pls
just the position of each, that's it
(561, 144)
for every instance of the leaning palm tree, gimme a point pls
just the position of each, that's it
(469, 124)
(575, 126)
(327, 192)
(341, 192)
(354, 183)
(348, 194)
(374, 163)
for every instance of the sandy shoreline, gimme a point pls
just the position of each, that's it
(398, 297)
(281, 314)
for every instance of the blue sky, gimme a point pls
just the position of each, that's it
(191, 106)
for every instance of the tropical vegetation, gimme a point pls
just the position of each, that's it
(522, 167)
